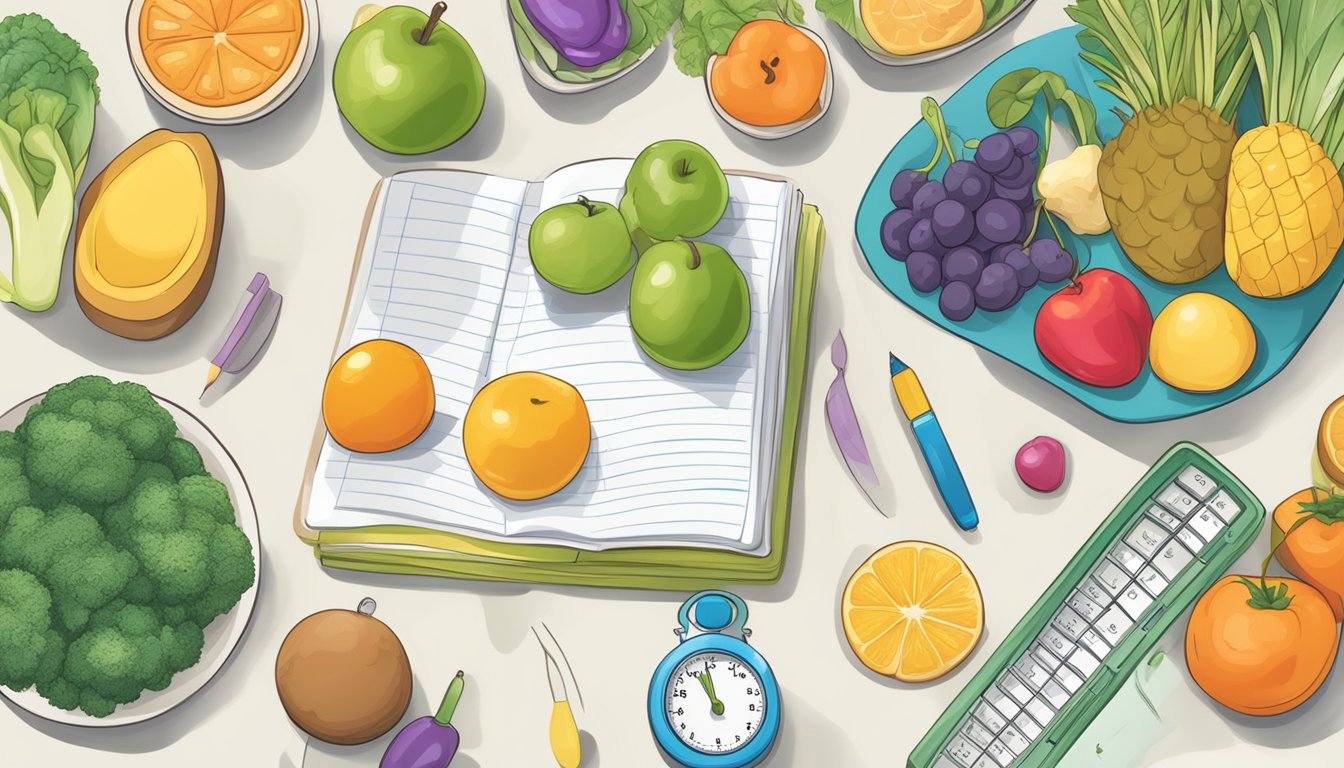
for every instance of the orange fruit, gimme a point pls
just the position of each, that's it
(379, 397)
(1260, 648)
(907, 27)
(1330, 442)
(912, 611)
(1314, 550)
(526, 435)
(772, 74)
(220, 53)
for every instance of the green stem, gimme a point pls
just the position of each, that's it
(933, 115)
(450, 699)
(435, 14)
(586, 203)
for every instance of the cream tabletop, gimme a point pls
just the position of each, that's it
(297, 185)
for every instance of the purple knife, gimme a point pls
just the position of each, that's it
(252, 324)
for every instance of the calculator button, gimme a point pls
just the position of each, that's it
(1207, 524)
(1031, 673)
(1014, 740)
(1152, 581)
(963, 751)
(1070, 623)
(1001, 754)
(1055, 695)
(1014, 688)
(977, 734)
(1060, 645)
(1111, 578)
(986, 761)
(1134, 600)
(1085, 607)
(1040, 712)
(1168, 520)
(945, 762)
(1172, 559)
(1224, 506)
(1194, 480)
(1127, 558)
(989, 717)
(1069, 679)
(1177, 501)
(1045, 658)
(1093, 641)
(1094, 591)
(1083, 662)
(1001, 702)
(1190, 539)
(1114, 625)
(1027, 726)
(1145, 538)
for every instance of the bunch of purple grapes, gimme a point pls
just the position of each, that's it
(964, 234)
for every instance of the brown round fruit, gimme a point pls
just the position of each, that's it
(343, 676)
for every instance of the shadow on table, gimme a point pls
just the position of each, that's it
(589, 107)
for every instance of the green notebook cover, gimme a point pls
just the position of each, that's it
(671, 568)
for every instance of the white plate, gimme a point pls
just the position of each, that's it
(893, 60)
(779, 131)
(221, 636)
(250, 110)
(550, 82)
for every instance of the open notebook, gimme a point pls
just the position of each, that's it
(678, 459)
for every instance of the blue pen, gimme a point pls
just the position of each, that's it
(932, 441)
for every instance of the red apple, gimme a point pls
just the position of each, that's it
(1096, 329)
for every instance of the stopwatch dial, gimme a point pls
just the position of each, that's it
(715, 703)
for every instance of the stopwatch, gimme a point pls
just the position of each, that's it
(713, 700)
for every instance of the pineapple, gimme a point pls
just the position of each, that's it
(1163, 179)
(1285, 214)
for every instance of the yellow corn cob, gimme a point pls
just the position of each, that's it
(1285, 211)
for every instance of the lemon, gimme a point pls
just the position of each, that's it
(1201, 343)
(908, 27)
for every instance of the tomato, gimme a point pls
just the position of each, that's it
(1313, 547)
(1260, 646)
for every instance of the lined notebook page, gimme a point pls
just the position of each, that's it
(677, 457)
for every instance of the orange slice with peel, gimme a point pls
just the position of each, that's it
(912, 611)
(220, 53)
(1330, 442)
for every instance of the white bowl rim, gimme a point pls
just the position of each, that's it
(239, 618)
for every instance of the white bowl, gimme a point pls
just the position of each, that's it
(221, 636)
(779, 131)
(894, 60)
(260, 106)
(550, 82)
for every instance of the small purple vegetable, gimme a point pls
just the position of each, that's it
(427, 742)
(1040, 464)
(586, 32)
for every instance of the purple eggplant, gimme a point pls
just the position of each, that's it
(427, 742)
(586, 32)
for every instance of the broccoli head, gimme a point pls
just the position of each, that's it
(67, 550)
(14, 488)
(30, 650)
(127, 650)
(194, 560)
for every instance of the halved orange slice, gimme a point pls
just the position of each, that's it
(1330, 442)
(220, 53)
(912, 611)
(908, 27)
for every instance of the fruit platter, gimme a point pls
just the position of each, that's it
(1144, 308)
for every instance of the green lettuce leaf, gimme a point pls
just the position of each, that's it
(708, 27)
(650, 21)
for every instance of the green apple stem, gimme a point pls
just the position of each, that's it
(695, 254)
(435, 14)
(586, 203)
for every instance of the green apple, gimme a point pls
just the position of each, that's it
(689, 304)
(675, 189)
(581, 247)
(407, 82)
(638, 236)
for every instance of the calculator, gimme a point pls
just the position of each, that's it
(1185, 522)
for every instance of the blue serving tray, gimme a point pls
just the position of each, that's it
(1281, 325)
